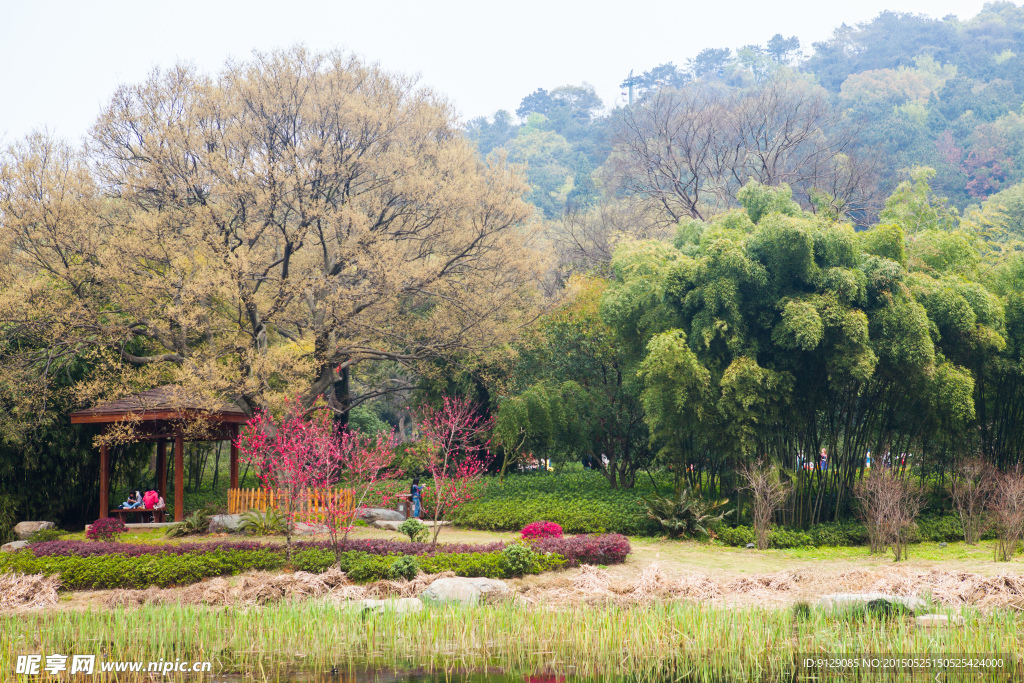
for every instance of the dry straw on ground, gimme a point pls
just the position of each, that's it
(260, 588)
(950, 588)
(954, 588)
(27, 591)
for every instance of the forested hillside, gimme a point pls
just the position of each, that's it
(903, 90)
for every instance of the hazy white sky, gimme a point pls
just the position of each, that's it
(62, 60)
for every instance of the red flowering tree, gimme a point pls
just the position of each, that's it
(459, 452)
(293, 456)
(362, 464)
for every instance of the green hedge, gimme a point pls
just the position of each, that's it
(581, 501)
(946, 528)
(363, 567)
(120, 571)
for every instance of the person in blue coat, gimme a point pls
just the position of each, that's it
(416, 491)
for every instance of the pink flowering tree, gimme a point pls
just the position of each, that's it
(459, 452)
(293, 455)
(364, 465)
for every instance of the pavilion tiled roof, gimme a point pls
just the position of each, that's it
(160, 403)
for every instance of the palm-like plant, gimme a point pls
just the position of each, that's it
(266, 523)
(196, 523)
(685, 514)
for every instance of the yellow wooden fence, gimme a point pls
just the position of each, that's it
(310, 504)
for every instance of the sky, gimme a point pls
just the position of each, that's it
(62, 60)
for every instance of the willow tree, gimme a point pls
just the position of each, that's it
(259, 232)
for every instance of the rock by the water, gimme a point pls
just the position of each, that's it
(938, 620)
(225, 523)
(399, 605)
(865, 599)
(371, 515)
(24, 530)
(468, 591)
(12, 546)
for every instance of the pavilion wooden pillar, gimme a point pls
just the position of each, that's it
(179, 476)
(234, 456)
(104, 481)
(161, 468)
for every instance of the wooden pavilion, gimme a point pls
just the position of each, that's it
(162, 414)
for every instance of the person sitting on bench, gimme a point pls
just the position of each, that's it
(159, 508)
(150, 501)
(134, 501)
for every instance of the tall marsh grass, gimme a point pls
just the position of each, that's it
(692, 641)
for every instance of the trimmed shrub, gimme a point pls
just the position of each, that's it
(404, 567)
(490, 565)
(777, 538)
(787, 538)
(313, 560)
(416, 530)
(736, 536)
(939, 529)
(519, 559)
(839, 534)
(106, 529)
(541, 529)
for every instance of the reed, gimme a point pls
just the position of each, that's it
(692, 641)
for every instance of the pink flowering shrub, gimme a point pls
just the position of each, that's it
(106, 529)
(541, 529)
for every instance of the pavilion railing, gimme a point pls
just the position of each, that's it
(309, 504)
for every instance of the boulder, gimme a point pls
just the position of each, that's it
(938, 620)
(468, 591)
(304, 529)
(399, 605)
(25, 529)
(871, 600)
(225, 524)
(12, 546)
(371, 515)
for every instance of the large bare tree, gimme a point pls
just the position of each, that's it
(689, 151)
(260, 232)
(674, 150)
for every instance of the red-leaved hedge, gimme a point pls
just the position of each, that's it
(603, 549)
(577, 550)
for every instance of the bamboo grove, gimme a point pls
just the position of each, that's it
(769, 332)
